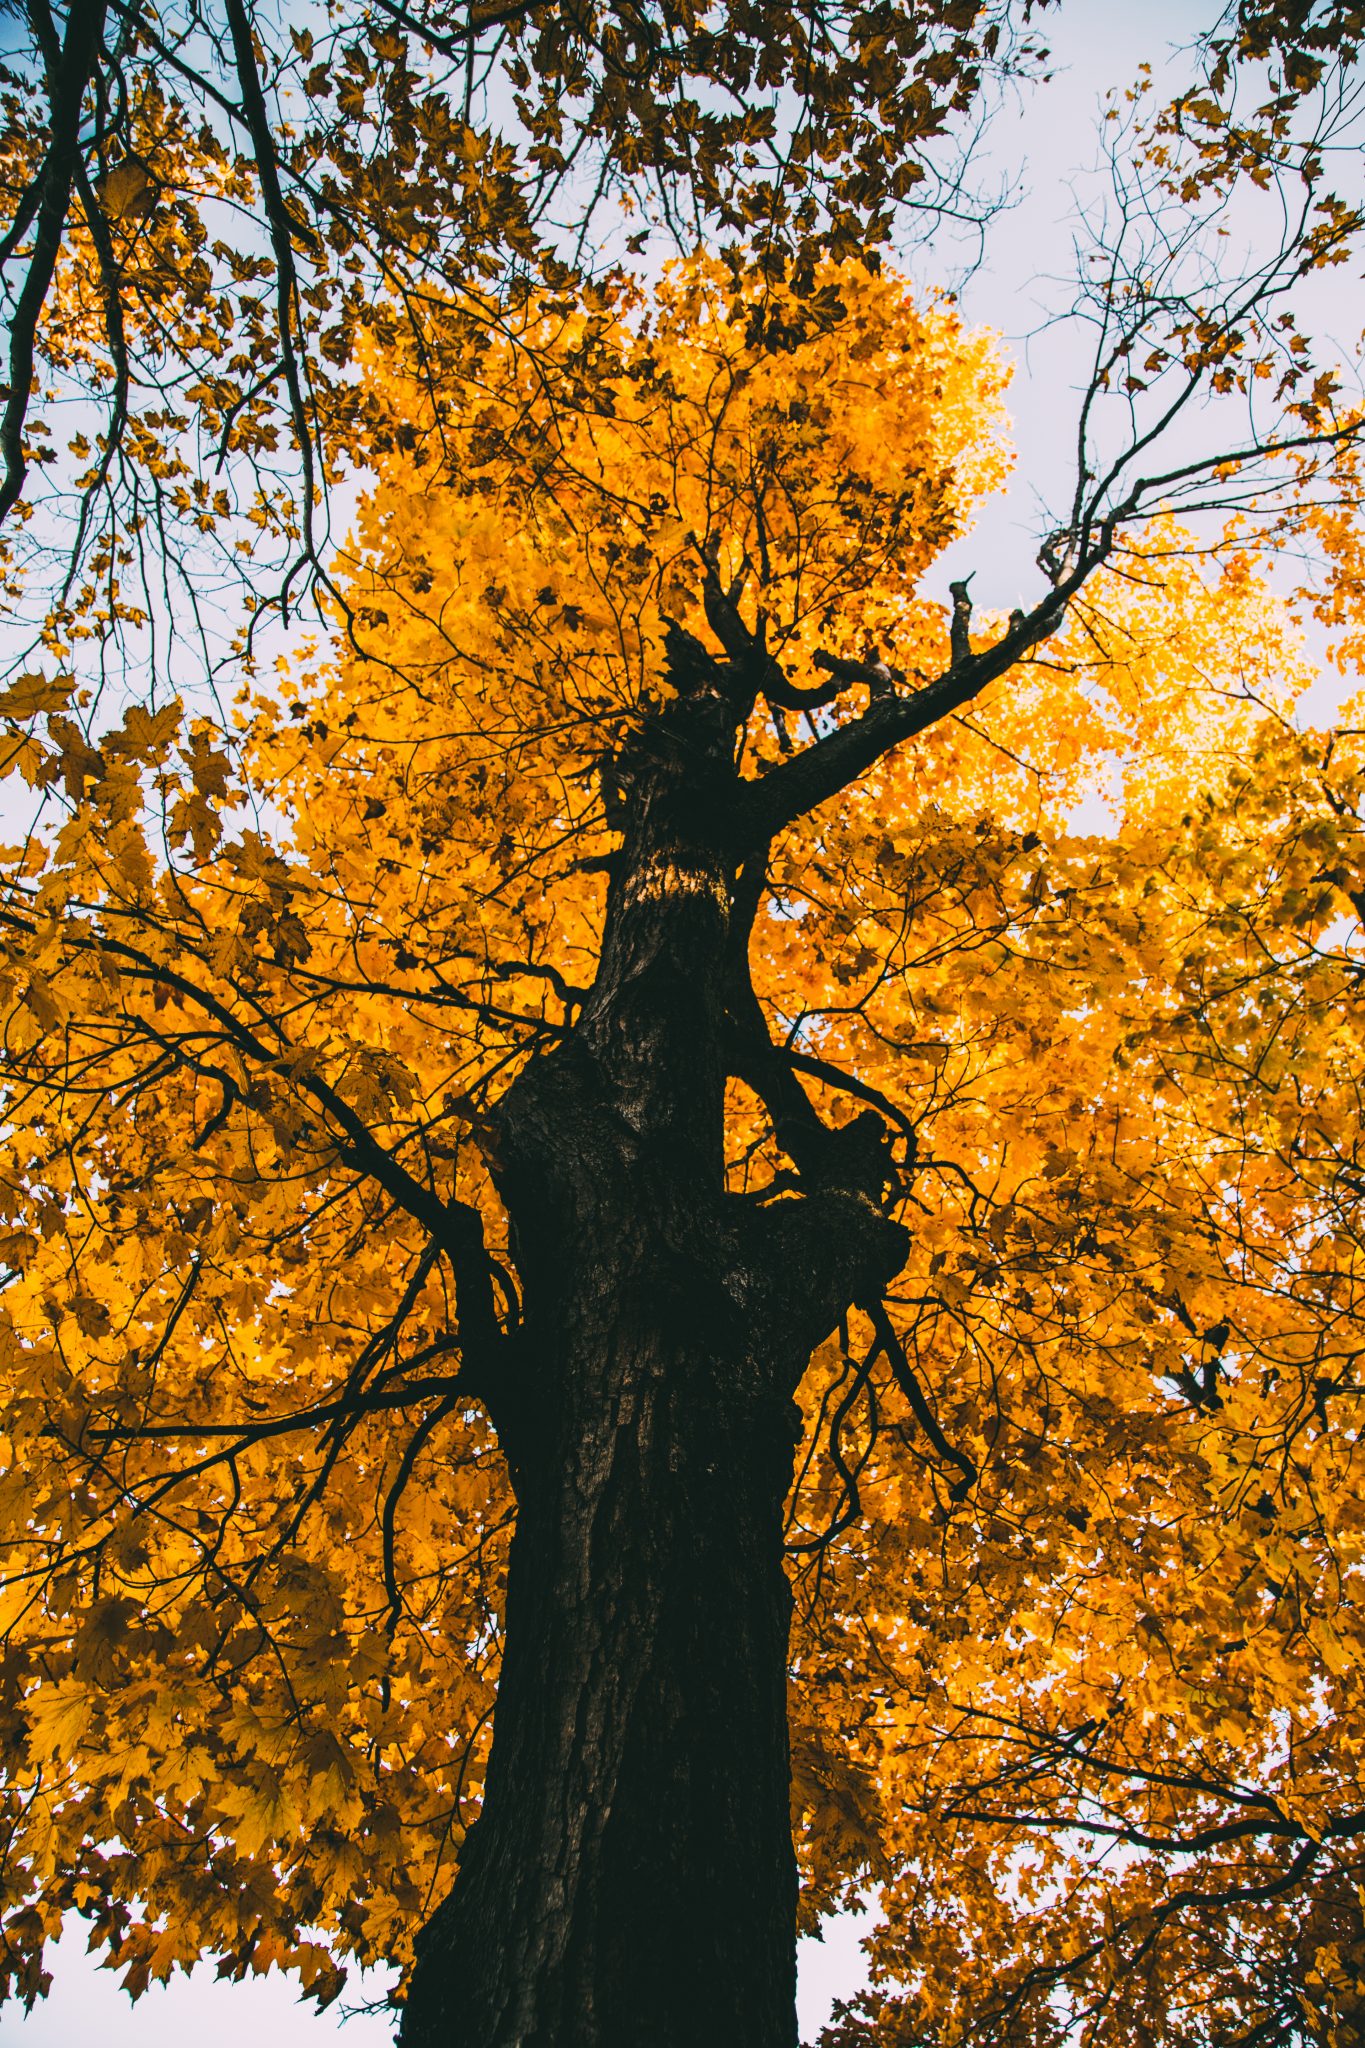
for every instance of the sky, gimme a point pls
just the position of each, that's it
(86, 2008)
(1048, 140)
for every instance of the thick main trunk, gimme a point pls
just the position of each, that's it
(630, 1882)
(631, 1877)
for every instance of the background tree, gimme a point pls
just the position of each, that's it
(646, 976)
(208, 219)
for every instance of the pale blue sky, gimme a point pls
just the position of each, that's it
(87, 2009)
(1098, 44)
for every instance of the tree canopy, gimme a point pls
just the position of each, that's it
(1075, 1530)
(209, 220)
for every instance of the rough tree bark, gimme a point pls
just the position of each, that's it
(631, 1878)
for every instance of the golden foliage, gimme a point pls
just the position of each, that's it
(264, 985)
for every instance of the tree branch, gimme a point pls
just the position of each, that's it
(455, 1226)
(282, 229)
(822, 770)
(904, 1376)
(80, 48)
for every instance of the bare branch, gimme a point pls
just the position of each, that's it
(79, 53)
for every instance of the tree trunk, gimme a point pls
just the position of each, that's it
(630, 1882)
(631, 1877)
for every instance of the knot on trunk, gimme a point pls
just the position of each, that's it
(856, 1157)
(808, 1258)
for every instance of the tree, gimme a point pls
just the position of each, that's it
(209, 220)
(640, 1053)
